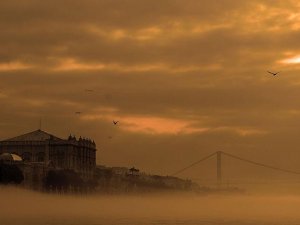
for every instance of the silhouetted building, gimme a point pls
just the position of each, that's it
(44, 148)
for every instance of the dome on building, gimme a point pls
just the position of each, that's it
(10, 157)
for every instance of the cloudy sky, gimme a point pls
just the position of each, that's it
(185, 78)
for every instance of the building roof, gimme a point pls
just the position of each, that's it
(37, 135)
(10, 157)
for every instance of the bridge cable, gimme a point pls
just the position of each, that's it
(261, 164)
(193, 164)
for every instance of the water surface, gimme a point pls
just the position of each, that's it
(21, 207)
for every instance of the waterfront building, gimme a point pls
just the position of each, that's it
(40, 147)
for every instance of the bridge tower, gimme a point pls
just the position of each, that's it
(219, 168)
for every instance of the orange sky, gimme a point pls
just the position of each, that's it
(185, 78)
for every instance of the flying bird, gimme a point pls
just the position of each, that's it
(115, 122)
(274, 74)
(78, 113)
(89, 90)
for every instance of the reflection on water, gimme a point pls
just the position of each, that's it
(20, 207)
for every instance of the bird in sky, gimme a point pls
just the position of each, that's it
(274, 74)
(78, 113)
(88, 90)
(115, 122)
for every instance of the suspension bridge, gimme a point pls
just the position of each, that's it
(219, 155)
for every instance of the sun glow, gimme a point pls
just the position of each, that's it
(293, 60)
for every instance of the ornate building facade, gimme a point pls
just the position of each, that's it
(41, 147)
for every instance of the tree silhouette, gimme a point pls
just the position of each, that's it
(62, 179)
(10, 174)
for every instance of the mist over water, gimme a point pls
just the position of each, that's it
(25, 207)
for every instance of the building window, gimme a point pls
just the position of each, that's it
(40, 157)
(27, 157)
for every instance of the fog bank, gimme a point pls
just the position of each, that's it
(25, 207)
